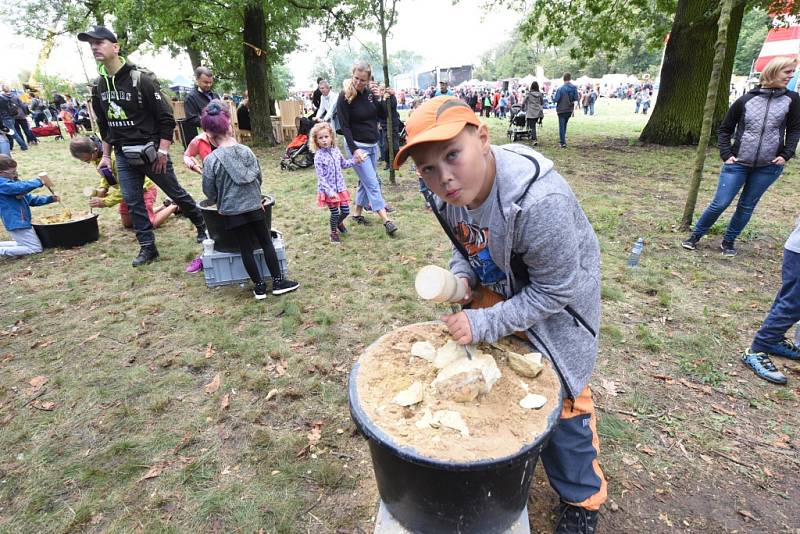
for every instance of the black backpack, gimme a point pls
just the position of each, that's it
(13, 108)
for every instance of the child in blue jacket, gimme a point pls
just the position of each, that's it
(15, 202)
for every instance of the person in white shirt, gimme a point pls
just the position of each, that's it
(327, 104)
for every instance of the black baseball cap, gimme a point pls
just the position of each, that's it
(99, 32)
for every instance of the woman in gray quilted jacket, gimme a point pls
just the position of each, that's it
(757, 137)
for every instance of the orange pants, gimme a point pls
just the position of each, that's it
(570, 456)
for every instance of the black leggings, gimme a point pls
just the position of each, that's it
(244, 234)
(338, 215)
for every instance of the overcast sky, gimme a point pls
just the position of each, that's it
(443, 34)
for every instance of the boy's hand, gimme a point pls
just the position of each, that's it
(56, 198)
(96, 202)
(459, 328)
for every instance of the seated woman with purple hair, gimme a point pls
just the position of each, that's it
(232, 180)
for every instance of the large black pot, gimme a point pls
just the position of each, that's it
(224, 240)
(68, 234)
(429, 496)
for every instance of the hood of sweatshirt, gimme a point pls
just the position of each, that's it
(515, 170)
(239, 162)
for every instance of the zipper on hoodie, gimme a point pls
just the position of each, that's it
(763, 127)
(544, 347)
(580, 321)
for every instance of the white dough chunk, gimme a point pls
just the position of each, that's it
(532, 401)
(448, 353)
(424, 350)
(464, 379)
(452, 420)
(529, 365)
(409, 396)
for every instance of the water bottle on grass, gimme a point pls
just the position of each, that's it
(636, 252)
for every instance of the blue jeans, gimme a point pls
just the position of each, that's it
(131, 183)
(756, 180)
(11, 124)
(591, 108)
(5, 146)
(785, 311)
(369, 189)
(563, 119)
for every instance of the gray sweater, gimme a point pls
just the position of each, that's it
(232, 180)
(545, 228)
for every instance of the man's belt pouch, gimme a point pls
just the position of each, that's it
(140, 155)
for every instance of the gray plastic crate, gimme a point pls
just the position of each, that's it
(226, 268)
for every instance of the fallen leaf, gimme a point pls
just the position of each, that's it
(739, 290)
(42, 344)
(210, 351)
(213, 386)
(767, 472)
(719, 409)
(629, 460)
(610, 386)
(271, 394)
(96, 519)
(225, 402)
(315, 434)
(91, 338)
(648, 450)
(38, 381)
(46, 406)
(748, 515)
(153, 472)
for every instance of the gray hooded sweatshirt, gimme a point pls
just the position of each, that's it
(232, 180)
(555, 278)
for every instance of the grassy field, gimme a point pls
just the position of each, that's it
(128, 431)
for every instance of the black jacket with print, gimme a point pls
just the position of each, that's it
(128, 115)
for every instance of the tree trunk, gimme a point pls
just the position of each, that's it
(47, 48)
(387, 98)
(194, 56)
(678, 114)
(708, 112)
(255, 72)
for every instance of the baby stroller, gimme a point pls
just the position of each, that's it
(298, 155)
(518, 125)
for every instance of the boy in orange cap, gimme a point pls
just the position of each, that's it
(530, 260)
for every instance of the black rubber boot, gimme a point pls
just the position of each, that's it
(147, 254)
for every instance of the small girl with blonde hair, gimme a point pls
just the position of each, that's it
(331, 189)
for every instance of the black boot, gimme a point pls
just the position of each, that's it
(201, 233)
(147, 254)
(575, 520)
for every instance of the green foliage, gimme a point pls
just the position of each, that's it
(335, 65)
(519, 56)
(755, 25)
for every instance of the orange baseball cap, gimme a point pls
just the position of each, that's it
(439, 119)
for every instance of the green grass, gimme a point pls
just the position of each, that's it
(127, 363)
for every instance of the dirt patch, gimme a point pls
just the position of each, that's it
(498, 425)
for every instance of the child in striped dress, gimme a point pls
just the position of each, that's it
(331, 189)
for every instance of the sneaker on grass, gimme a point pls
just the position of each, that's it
(691, 243)
(283, 285)
(335, 238)
(260, 291)
(727, 248)
(360, 219)
(195, 266)
(763, 367)
(785, 349)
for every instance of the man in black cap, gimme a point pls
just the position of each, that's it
(136, 120)
(198, 98)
